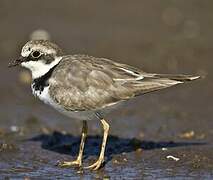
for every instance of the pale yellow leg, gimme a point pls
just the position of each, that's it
(100, 160)
(78, 161)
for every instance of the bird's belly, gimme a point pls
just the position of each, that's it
(79, 115)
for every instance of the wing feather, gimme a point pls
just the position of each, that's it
(89, 83)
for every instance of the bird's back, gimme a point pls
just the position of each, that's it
(81, 82)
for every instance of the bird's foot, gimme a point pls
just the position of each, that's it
(77, 163)
(97, 165)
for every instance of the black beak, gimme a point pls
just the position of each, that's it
(17, 61)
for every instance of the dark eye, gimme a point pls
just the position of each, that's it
(36, 54)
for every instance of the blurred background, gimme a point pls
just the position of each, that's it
(170, 36)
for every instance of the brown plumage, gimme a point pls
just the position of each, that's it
(85, 87)
(88, 83)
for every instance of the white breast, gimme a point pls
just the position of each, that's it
(46, 98)
(43, 95)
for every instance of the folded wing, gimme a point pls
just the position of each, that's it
(90, 82)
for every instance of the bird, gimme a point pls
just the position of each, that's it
(86, 88)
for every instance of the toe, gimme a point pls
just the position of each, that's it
(95, 166)
(68, 163)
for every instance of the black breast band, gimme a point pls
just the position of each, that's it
(40, 83)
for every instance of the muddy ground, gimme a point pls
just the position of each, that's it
(171, 36)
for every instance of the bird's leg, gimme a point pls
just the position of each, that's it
(100, 160)
(78, 161)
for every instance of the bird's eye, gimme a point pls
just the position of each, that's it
(36, 54)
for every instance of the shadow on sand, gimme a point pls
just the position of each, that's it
(68, 144)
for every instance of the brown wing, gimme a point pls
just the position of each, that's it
(86, 83)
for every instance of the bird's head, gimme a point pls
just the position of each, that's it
(39, 56)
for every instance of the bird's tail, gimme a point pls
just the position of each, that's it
(179, 77)
(154, 82)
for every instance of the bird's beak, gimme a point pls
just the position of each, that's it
(17, 61)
